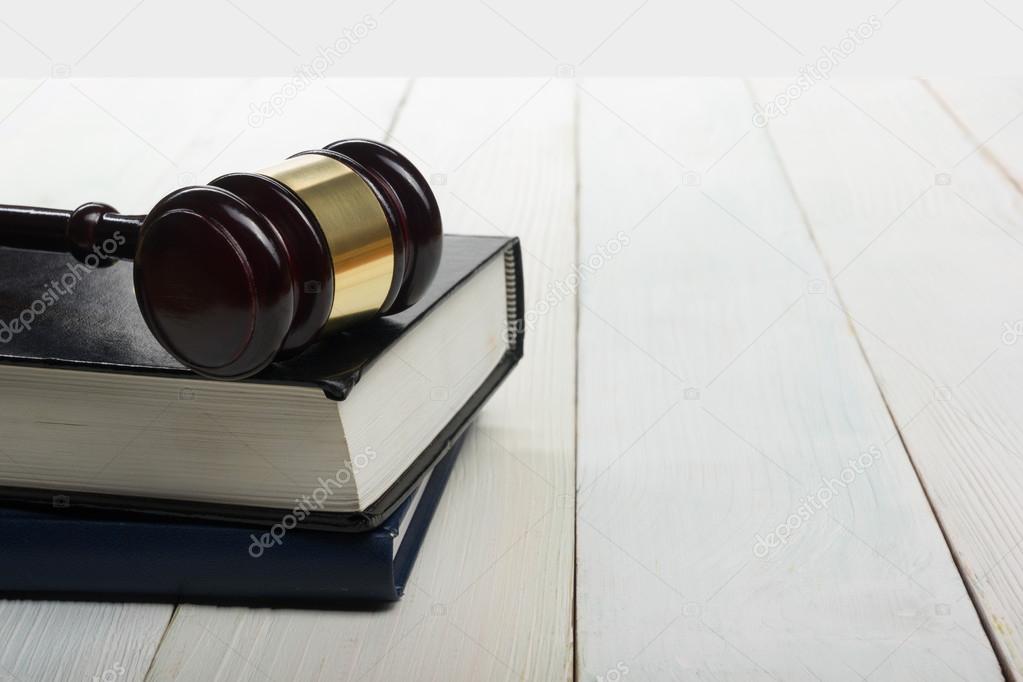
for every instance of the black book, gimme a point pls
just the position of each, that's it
(94, 413)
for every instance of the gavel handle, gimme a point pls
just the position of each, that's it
(90, 226)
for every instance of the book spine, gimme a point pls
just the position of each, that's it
(515, 298)
(56, 556)
(407, 552)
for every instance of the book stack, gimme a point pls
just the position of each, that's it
(124, 476)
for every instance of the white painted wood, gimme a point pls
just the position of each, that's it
(492, 590)
(128, 142)
(925, 237)
(69, 641)
(717, 390)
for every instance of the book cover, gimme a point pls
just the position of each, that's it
(69, 553)
(98, 327)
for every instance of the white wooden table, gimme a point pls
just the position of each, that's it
(770, 420)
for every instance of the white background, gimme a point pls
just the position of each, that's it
(507, 37)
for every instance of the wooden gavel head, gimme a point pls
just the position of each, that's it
(254, 267)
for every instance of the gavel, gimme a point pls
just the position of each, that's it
(255, 267)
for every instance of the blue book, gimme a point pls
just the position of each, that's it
(75, 554)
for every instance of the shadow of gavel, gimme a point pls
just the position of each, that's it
(254, 267)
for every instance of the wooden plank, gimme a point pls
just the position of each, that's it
(926, 242)
(128, 142)
(724, 404)
(491, 597)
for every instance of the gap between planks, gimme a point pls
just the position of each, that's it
(967, 584)
(830, 404)
(926, 300)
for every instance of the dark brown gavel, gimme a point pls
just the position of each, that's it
(254, 267)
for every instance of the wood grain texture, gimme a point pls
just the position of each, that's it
(990, 111)
(129, 142)
(491, 594)
(925, 238)
(722, 392)
(67, 641)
